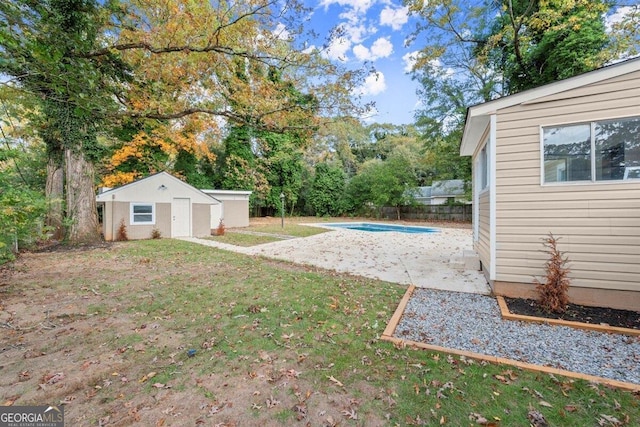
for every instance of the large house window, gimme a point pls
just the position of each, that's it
(597, 151)
(143, 213)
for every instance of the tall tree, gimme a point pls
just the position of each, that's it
(334, 141)
(485, 50)
(476, 52)
(22, 160)
(383, 183)
(326, 195)
(91, 62)
(535, 42)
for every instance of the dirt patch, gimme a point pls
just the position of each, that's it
(75, 331)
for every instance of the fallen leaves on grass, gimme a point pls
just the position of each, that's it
(481, 420)
(350, 414)
(147, 377)
(272, 402)
(52, 378)
(506, 377)
(160, 385)
(608, 420)
(537, 419)
(335, 381)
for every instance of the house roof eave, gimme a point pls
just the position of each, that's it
(473, 131)
(478, 115)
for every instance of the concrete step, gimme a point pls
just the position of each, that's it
(468, 261)
(471, 260)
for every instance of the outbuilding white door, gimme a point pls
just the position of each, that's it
(181, 217)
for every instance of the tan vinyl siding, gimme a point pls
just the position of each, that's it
(115, 212)
(482, 245)
(598, 223)
(236, 213)
(201, 220)
(604, 88)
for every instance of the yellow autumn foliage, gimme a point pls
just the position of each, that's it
(118, 178)
(170, 139)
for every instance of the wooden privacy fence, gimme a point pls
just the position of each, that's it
(430, 212)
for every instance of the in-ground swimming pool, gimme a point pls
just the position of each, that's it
(368, 226)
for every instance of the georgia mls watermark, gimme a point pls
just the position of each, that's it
(31, 416)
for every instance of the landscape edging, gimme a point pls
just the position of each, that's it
(387, 335)
(506, 314)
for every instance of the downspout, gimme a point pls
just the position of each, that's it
(492, 197)
(476, 202)
(113, 202)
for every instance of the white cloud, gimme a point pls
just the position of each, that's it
(369, 115)
(616, 17)
(395, 18)
(309, 49)
(354, 17)
(410, 60)
(356, 33)
(337, 50)
(281, 32)
(374, 84)
(361, 52)
(381, 48)
(437, 65)
(360, 6)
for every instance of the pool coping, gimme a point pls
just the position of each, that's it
(347, 225)
(387, 335)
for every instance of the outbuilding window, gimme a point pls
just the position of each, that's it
(597, 151)
(143, 213)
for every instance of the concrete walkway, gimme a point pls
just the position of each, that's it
(423, 260)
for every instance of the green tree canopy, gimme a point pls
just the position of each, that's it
(326, 195)
(91, 63)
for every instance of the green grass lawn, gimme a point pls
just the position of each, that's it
(289, 229)
(243, 236)
(275, 344)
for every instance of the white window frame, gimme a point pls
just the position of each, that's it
(631, 169)
(132, 214)
(593, 180)
(484, 175)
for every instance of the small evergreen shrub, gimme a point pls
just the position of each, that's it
(553, 291)
(121, 235)
(155, 234)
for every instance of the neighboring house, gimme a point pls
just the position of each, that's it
(563, 158)
(441, 192)
(161, 202)
(422, 195)
(449, 191)
(235, 207)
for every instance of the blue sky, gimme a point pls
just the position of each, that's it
(374, 31)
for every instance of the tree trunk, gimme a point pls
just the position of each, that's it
(81, 199)
(54, 192)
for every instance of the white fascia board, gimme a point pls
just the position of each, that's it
(473, 131)
(478, 115)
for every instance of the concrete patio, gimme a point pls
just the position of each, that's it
(429, 260)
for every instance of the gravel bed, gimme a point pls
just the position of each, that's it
(473, 323)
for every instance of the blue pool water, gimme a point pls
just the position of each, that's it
(368, 226)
